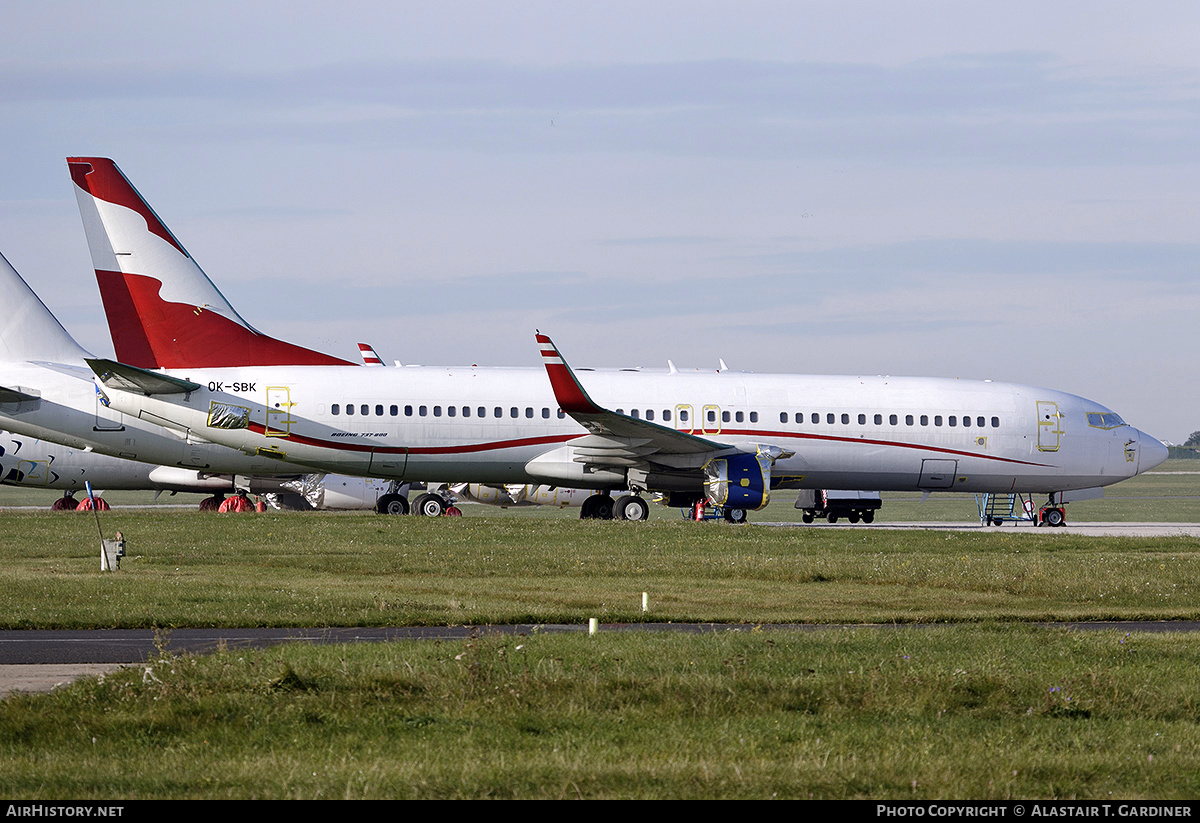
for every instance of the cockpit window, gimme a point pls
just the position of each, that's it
(1105, 420)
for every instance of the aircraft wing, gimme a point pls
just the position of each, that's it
(132, 379)
(615, 439)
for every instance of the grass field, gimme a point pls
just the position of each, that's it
(962, 698)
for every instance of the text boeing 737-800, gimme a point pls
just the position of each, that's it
(726, 436)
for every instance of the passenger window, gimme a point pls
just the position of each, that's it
(879, 420)
(395, 410)
(408, 410)
(830, 418)
(816, 418)
(953, 421)
(497, 412)
(545, 413)
(980, 422)
(450, 411)
(783, 417)
(649, 414)
(513, 412)
(995, 422)
(365, 409)
(893, 419)
(845, 419)
(924, 420)
(799, 417)
(423, 411)
(937, 420)
(466, 411)
(740, 416)
(862, 420)
(379, 411)
(712, 416)
(335, 409)
(908, 419)
(667, 415)
(349, 408)
(437, 411)
(529, 412)
(753, 417)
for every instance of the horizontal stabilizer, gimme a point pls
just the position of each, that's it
(132, 379)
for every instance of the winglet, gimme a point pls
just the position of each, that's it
(369, 357)
(571, 396)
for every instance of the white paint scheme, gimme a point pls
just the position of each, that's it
(1041, 440)
(544, 447)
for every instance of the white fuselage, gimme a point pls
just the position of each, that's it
(502, 425)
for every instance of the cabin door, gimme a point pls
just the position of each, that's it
(1049, 423)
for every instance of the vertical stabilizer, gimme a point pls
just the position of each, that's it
(28, 331)
(163, 311)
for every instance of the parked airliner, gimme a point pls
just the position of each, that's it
(730, 437)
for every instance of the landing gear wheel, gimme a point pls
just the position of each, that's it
(597, 507)
(631, 507)
(735, 515)
(391, 504)
(868, 517)
(1055, 517)
(429, 505)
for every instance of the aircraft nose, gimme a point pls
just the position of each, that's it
(1152, 452)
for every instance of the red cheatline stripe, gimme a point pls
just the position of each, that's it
(770, 437)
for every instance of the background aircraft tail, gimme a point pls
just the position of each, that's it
(28, 331)
(163, 311)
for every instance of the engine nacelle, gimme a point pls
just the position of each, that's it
(742, 480)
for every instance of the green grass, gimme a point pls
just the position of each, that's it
(986, 708)
(314, 569)
(965, 712)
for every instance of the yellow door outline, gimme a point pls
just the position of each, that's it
(279, 411)
(1049, 426)
(682, 425)
(704, 426)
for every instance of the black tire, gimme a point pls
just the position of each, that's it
(807, 517)
(735, 515)
(1055, 517)
(831, 517)
(429, 505)
(597, 507)
(852, 517)
(631, 507)
(391, 504)
(868, 517)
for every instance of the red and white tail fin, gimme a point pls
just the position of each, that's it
(163, 311)
(28, 331)
(369, 357)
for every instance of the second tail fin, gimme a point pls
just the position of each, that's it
(163, 311)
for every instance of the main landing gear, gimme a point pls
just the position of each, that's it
(626, 507)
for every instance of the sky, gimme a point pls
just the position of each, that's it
(1000, 191)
